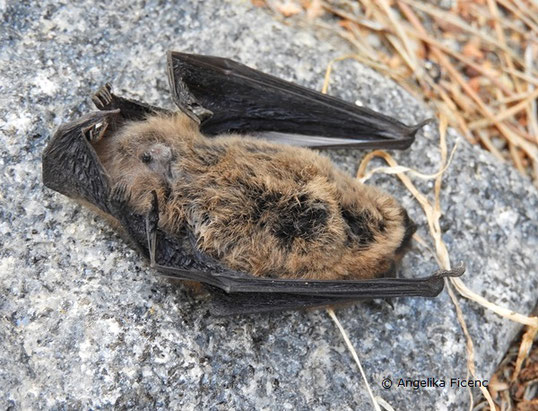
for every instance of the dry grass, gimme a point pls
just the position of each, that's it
(515, 383)
(475, 61)
(521, 386)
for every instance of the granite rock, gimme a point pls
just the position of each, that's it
(85, 323)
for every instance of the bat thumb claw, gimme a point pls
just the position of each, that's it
(418, 127)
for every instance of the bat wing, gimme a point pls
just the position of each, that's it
(226, 96)
(70, 165)
(239, 292)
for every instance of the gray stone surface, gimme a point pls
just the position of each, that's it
(84, 322)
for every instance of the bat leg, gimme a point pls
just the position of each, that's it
(133, 110)
(390, 273)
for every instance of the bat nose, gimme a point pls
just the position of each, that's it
(161, 152)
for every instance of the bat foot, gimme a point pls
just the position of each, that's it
(95, 132)
(119, 197)
(103, 98)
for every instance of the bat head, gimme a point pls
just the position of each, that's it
(140, 156)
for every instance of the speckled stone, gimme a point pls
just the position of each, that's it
(85, 323)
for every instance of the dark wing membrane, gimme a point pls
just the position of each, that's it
(232, 97)
(233, 295)
(70, 165)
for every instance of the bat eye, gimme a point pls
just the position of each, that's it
(146, 158)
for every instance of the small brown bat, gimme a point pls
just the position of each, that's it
(266, 226)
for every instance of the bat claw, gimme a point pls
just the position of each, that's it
(420, 125)
(389, 303)
(95, 132)
(119, 196)
(103, 97)
(201, 112)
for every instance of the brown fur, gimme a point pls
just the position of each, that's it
(267, 209)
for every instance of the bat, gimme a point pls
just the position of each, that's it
(228, 193)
